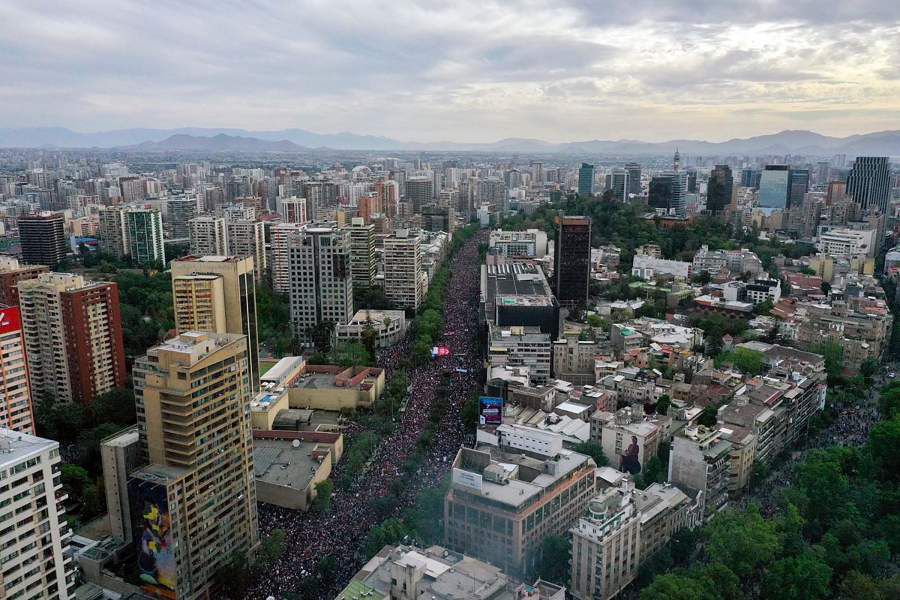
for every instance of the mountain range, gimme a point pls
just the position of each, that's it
(882, 143)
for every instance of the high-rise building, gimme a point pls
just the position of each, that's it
(280, 235)
(699, 461)
(144, 232)
(292, 210)
(321, 283)
(774, 187)
(419, 192)
(660, 193)
(362, 254)
(180, 210)
(750, 178)
(209, 237)
(120, 455)
(572, 260)
(586, 180)
(869, 183)
(112, 232)
(200, 299)
(37, 564)
(11, 273)
(719, 189)
(15, 389)
(691, 181)
(403, 273)
(43, 239)
(799, 185)
(248, 238)
(634, 180)
(619, 184)
(193, 397)
(73, 337)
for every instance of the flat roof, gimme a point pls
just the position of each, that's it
(16, 447)
(278, 462)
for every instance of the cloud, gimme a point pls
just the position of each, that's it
(468, 70)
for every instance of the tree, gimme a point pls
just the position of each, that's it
(322, 501)
(745, 360)
(553, 564)
(321, 334)
(594, 451)
(868, 368)
(763, 308)
(884, 442)
(663, 404)
(803, 577)
(234, 577)
(834, 359)
(677, 586)
(271, 548)
(350, 354)
(709, 417)
(388, 532)
(826, 288)
(369, 339)
(742, 541)
(115, 406)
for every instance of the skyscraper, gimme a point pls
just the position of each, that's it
(15, 389)
(193, 394)
(634, 180)
(292, 210)
(43, 239)
(419, 192)
(774, 187)
(205, 287)
(280, 236)
(586, 180)
(572, 258)
(180, 210)
(660, 193)
(362, 254)
(869, 183)
(799, 185)
(321, 283)
(36, 560)
(245, 238)
(112, 232)
(403, 273)
(719, 189)
(145, 235)
(619, 184)
(73, 337)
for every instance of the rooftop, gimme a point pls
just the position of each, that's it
(285, 463)
(16, 447)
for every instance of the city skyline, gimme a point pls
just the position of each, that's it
(468, 72)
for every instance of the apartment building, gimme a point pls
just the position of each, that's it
(404, 283)
(280, 248)
(73, 337)
(362, 253)
(700, 461)
(11, 273)
(15, 389)
(248, 238)
(193, 397)
(208, 236)
(34, 536)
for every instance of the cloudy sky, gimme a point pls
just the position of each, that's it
(461, 70)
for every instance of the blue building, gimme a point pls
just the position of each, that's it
(586, 180)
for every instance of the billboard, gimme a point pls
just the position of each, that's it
(439, 351)
(153, 537)
(10, 320)
(490, 410)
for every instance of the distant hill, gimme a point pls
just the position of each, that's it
(882, 143)
(217, 143)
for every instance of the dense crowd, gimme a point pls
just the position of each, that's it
(341, 532)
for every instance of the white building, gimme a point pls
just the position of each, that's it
(292, 210)
(647, 267)
(404, 283)
(531, 243)
(34, 537)
(248, 238)
(281, 272)
(848, 243)
(15, 391)
(321, 285)
(208, 236)
(389, 326)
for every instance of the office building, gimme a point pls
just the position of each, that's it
(516, 292)
(572, 260)
(618, 180)
(531, 243)
(144, 232)
(73, 337)
(719, 189)
(120, 455)
(292, 210)
(404, 283)
(586, 180)
(321, 283)
(206, 287)
(193, 397)
(848, 243)
(388, 327)
(799, 185)
(208, 236)
(280, 267)
(245, 238)
(43, 239)
(15, 389)
(34, 539)
(774, 187)
(634, 181)
(492, 192)
(869, 183)
(419, 192)
(362, 253)
(180, 211)
(112, 232)
(11, 273)
(750, 178)
(495, 507)
(667, 193)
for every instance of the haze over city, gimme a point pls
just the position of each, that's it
(462, 71)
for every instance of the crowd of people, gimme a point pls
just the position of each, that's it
(452, 379)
